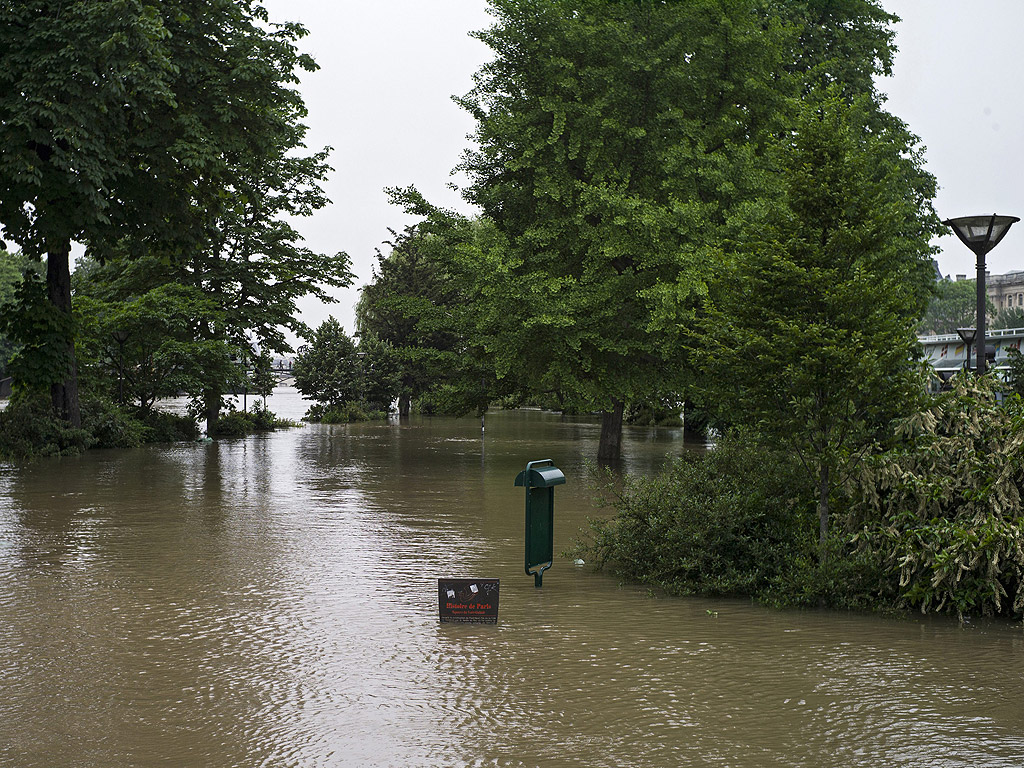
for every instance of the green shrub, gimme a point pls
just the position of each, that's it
(849, 578)
(166, 427)
(232, 424)
(731, 521)
(342, 414)
(109, 426)
(263, 419)
(942, 510)
(28, 428)
(241, 423)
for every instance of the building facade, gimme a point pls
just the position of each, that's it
(1006, 291)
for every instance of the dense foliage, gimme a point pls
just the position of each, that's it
(13, 268)
(169, 141)
(349, 382)
(29, 428)
(954, 305)
(613, 142)
(942, 510)
(813, 330)
(1008, 317)
(420, 303)
(934, 519)
(731, 521)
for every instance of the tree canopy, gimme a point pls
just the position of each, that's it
(814, 331)
(171, 135)
(614, 141)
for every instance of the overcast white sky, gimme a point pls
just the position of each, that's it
(388, 69)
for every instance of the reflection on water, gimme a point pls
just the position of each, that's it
(271, 601)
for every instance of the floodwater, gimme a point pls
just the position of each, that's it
(272, 601)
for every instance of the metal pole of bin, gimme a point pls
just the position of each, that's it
(539, 479)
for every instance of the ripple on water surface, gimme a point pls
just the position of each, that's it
(272, 601)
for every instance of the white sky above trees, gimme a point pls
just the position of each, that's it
(388, 70)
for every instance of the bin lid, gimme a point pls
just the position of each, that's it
(540, 477)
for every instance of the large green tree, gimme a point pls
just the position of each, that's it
(171, 133)
(1008, 317)
(839, 43)
(138, 349)
(614, 142)
(408, 304)
(815, 328)
(77, 84)
(423, 302)
(252, 177)
(337, 373)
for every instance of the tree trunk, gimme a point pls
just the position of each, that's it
(63, 394)
(211, 409)
(695, 422)
(823, 478)
(404, 406)
(610, 446)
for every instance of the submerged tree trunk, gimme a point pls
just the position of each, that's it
(695, 421)
(610, 446)
(63, 394)
(211, 408)
(404, 406)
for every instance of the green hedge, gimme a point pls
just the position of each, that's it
(731, 521)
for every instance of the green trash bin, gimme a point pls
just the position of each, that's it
(539, 479)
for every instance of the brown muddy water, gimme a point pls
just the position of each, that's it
(272, 601)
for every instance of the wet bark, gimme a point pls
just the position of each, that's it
(610, 446)
(211, 409)
(63, 394)
(404, 406)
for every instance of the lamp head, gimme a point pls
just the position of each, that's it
(981, 233)
(967, 334)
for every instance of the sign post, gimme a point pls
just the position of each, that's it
(539, 479)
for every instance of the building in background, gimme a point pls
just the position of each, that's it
(1004, 291)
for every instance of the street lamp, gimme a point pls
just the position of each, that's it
(967, 336)
(981, 234)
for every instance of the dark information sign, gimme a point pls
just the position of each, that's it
(468, 601)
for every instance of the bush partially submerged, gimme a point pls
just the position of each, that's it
(29, 428)
(166, 427)
(241, 423)
(942, 510)
(934, 522)
(109, 426)
(732, 521)
(342, 414)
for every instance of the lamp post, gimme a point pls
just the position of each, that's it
(967, 336)
(981, 234)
